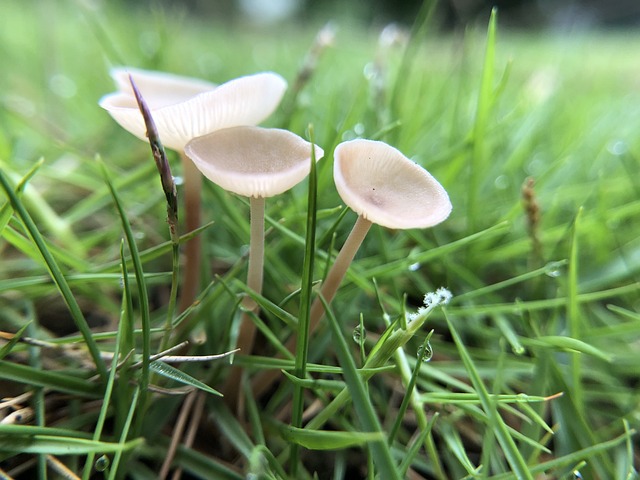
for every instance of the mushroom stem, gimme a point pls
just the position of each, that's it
(256, 259)
(263, 381)
(192, 190)
(336, 274)
(246, 336)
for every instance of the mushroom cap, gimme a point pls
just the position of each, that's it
(385, 187)
(253, 161)
(160, 88)
(184, 108)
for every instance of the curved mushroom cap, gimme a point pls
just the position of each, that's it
(183, 109)
(253, 161)
(159, 88)
(385, 187)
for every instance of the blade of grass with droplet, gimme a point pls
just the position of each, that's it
(97, 432)
(365, 411)
(56, 275)
(496, 423)
(409, 390)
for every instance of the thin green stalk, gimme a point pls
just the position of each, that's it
(424, 423)
(125, 433)
(173, 295)
(57, 276)
(142, 293)
(302, 345)
(364, 409)
(35, 361)
(573, 316)
(97, 432)
(485, 103)
(495, 421)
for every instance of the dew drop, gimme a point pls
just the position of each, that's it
(425, 351)
(348, 135)
(617, 147)
(102, 463)
(358, 129)
(370, 71)
(577, 475)
(553, 269)
(414, 266)
(359, 334)
(62, 86)
(502, 182)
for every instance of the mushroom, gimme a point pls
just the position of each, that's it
(184, 108)
(257, 163)
(382, 186)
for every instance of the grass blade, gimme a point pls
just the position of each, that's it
(364, 409)
(498, 427)
(57, 276)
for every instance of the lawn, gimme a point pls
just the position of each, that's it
(530, 370)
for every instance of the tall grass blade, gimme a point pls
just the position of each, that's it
(57, 276)
(302, 345)
(497, 424)
(365, 411)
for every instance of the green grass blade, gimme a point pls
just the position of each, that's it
(56, 275)
(574, 318)
(125, 433)
(328, 440)
(6, 349)
(364, 409)
(497, 424)
(49, 379)
(168, 371)
(142, 289)
(53, 445)
(302, 345)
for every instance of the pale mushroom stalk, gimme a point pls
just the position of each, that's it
(256, 163)
(384, 187)
(185, 108)
(255, 271)
(192, 248)
(336, 274)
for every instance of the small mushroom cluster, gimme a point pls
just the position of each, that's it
(213, 127)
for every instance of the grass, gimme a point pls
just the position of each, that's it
(534, 372)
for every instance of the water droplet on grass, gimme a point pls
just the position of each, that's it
(359, 334)
(414, 266)
(553, 269)
(425, 351)
(102, 463)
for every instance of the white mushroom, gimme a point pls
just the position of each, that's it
(184, 108)
(257, 163)
(382, 186)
